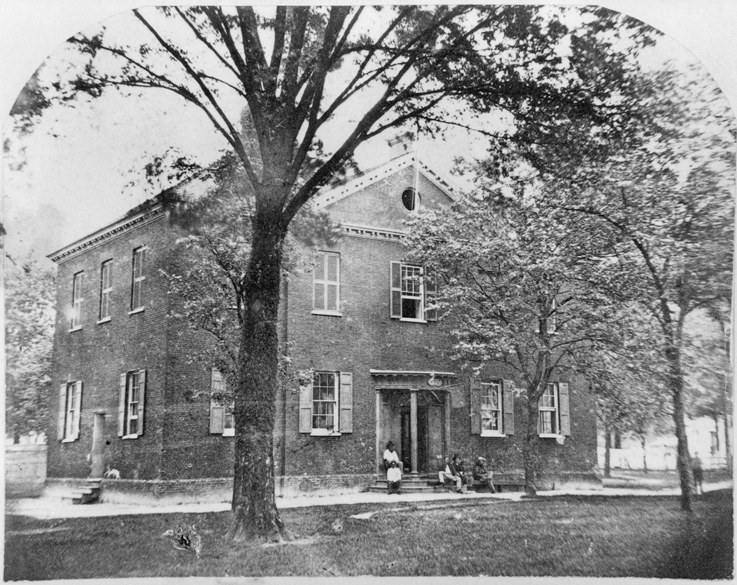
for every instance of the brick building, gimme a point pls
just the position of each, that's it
(359, 321)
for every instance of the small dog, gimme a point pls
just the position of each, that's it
(112, 473)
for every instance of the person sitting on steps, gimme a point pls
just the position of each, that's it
(394, 478)
(448, 474)
(391, 455)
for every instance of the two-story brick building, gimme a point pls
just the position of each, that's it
(380, 363)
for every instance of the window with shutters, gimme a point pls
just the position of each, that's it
(222, 406)
(412, 293)
(138, 279)
(106, 289)
(491, 409)
(70, 403)
(76, 320)
(132, 401)
(553, 411)
(326, 284)
(326, 404)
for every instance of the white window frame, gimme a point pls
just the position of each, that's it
(129, 404)
(497, 388)
(76, 320)
(555, 410)
(323, 282)
(137, 282)
(420, 295)
(106, 289)
(335, 429)
(218, 387)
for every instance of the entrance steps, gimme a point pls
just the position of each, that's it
(87, 494)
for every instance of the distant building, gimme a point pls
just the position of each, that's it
(360, 322)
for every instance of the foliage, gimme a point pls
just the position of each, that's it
(29, 333)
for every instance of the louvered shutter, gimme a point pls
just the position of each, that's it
(475, 406)
(217, 412)
(305, 408)
(396, 290)
(346, 402)
(121, 405)
(565, 417)
(508, 397)
(431, 289)
(62, 411)
(77, 410)
(141, 400)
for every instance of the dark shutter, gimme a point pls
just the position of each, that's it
(395, 299)
(346, 402)
(565, 417)
(475, 406)
(508, 397)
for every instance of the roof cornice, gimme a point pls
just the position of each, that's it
(107, 234)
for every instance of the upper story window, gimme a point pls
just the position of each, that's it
(106, 289)
(412, 289)
(70, 402)
(76, 321)
(410, 199)
(138, 278)
(222, 417)
(326, 284)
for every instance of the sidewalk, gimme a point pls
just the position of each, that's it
(45, 508)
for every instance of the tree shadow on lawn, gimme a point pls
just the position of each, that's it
(565, 535)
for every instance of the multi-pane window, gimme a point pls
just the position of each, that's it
(548, 411)
(326, 283)
(76, 320)
(222, 406)
(106, 288)
(324, 400)
(132, 401)
(411, 292)
(138, 278)
(491, 407)
(133, 394)
(70, 406)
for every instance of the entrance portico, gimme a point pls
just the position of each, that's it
(413, 411)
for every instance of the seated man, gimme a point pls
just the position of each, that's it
(394, 478)
(466, 478)
(482, 475)
(449, 475)
(391, 455)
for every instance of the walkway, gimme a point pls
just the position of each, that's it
(44, 508)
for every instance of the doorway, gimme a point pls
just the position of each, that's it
(98, 446)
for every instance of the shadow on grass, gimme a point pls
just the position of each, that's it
(706, 549)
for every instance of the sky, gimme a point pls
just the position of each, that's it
(76, 182)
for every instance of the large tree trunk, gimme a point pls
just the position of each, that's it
(254, 506)
(530, 449)
(607, 450)
(683, 462)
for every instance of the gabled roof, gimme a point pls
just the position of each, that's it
(336, 193)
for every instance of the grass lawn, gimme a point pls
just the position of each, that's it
(564, 535)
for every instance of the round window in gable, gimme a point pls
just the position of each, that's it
(410, 199)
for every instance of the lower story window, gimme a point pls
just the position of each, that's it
(222, 406)
(70, 403)
(131, 409)
(491, 407)
(324, 400)
(326, 403)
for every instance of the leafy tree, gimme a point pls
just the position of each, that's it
(296, 70)
(522, 284)
(29, 335)
(665, 185)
